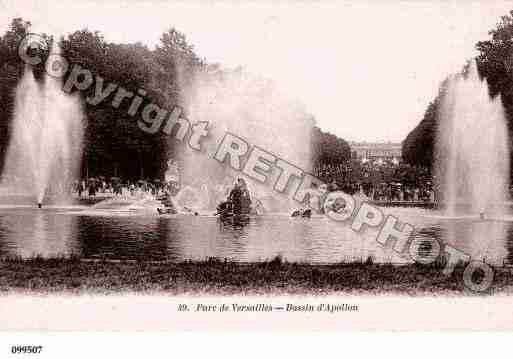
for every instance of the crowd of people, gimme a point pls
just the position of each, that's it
(389, 182)
(383, 182)
(114, 186)
(388, 192)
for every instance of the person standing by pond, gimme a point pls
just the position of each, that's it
(81, 188)
(92, 188)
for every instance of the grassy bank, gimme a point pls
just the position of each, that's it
(224, 277)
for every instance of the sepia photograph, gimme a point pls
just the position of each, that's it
(223, 165)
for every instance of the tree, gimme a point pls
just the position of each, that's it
(495, 64)
(328, 148)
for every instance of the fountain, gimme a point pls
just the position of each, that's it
(45, 147)
(251, 108)
(472, 148)
(472, 168)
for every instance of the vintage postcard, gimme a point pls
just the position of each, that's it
(291, 166)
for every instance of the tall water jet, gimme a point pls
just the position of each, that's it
(472, 167)
(45, 148)
(255, 110)
(472, 147)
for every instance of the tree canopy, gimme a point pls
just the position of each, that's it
(328, 148)
(495, 64)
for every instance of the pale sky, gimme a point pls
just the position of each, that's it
(365, 69)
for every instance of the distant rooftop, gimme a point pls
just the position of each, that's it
(374, 143)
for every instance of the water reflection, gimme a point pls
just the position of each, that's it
(124, 237)
(52, 233)
(481, 240)
(38, 233)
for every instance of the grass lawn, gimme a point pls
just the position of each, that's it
(219, 277)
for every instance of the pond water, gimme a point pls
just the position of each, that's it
(103, 234)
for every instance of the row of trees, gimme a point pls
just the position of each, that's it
(114, 145)
(495, 63)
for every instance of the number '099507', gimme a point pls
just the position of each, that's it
(26, 349)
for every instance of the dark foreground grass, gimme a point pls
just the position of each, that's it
(214, 276)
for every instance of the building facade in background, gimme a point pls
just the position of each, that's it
(376, 152)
